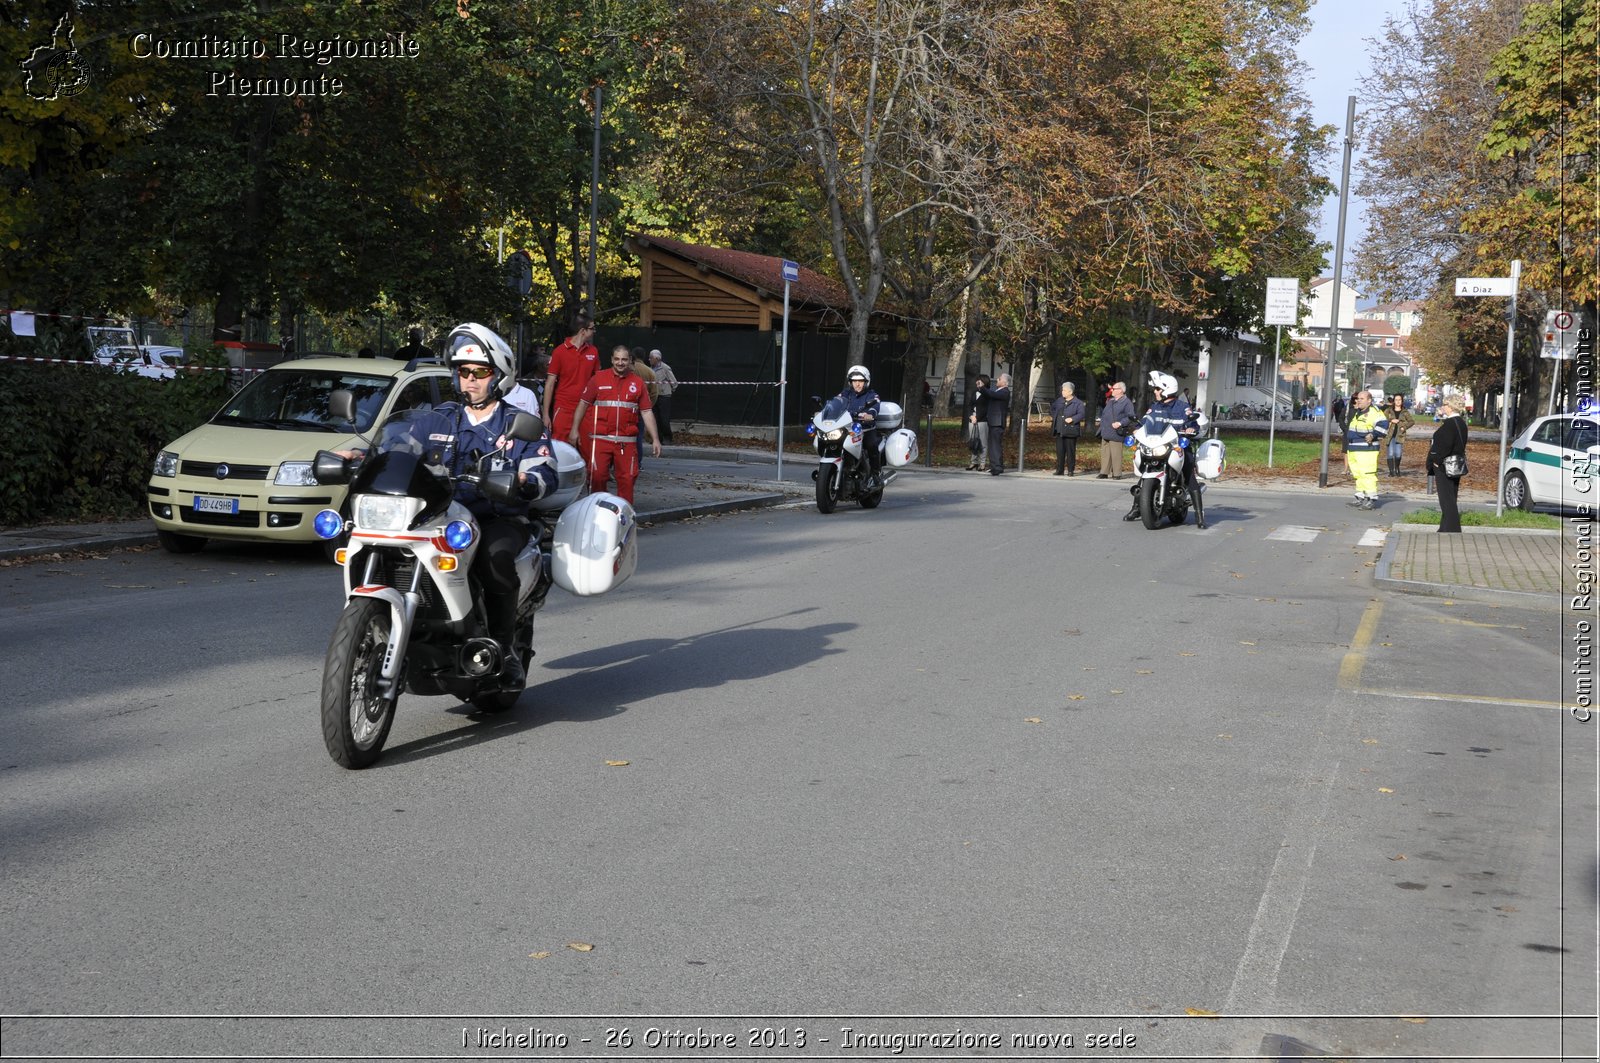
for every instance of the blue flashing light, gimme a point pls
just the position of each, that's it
(328, 524)
(1128, 442)
(1183, 442)
(458, 534)
(1588, 405)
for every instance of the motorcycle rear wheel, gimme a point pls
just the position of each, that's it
(1147, 503)
(827, 491)
(355, 717)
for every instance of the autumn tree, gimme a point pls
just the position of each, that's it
(885, 107)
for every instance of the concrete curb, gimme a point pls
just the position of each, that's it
(675, 513)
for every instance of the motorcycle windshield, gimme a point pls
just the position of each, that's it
(835, 414)
(401, 463)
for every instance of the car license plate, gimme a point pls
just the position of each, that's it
(203, 504)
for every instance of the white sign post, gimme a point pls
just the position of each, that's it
(1476, 286)
(1283, 308)
(791, 273)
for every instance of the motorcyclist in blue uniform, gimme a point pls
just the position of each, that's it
(862, 402)
(1171, 409)
(460, 434)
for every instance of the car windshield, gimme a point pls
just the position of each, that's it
(297, 399)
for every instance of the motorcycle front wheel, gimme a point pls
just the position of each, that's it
(827, 490)
(1147, 503)
(355, 717)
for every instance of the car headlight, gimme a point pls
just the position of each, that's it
(166, 464)
(295, 474)
(386, 513)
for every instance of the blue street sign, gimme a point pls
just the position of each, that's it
(791, 271)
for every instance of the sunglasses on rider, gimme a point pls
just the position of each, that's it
(475, 372)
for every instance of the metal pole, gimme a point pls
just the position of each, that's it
(1338, 280)
(1505, 394)
(783, 375)
(1272, 425)
(594, 199)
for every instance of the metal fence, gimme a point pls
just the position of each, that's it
(731, 377)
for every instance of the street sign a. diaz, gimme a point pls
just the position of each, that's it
(1473, 286)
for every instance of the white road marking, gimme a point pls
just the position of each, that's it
(1295, 533)
(1374, 537)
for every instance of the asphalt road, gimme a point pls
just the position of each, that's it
(987, 759)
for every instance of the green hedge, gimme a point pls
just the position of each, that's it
(84, 437)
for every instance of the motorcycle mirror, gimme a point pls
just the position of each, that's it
(526, 427)
(342, 405)
(330, 468)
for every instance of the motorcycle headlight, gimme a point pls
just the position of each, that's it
(386, 513)
(295, 474)
(836, 434)
(166, 464)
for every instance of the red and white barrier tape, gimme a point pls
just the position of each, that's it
(123, 365)
(727, 383)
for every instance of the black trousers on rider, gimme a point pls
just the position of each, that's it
(495, 565)
(871, 451)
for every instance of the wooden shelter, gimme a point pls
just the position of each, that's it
(690, 285)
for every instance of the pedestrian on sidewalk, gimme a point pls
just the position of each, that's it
(1400, 422)
(1116, 420)
(572, 364)
(666, 384)
(977, 431)
(1066, 422)
(996, 402)
(1449, 439)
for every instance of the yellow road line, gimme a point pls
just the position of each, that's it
(1354, 661)
(1471, 699)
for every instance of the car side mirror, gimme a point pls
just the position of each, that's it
(342, 405)
(527, 427)
(330, 468)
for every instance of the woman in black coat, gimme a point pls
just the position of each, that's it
(1066, 421)
(1449, 438)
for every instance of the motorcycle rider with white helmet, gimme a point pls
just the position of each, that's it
(463, 432)
(1171, 409)
(862, 402)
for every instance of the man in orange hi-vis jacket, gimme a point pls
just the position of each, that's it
(608, 419)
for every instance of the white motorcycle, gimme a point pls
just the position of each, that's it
(842, 468)
(1159, 456)
(414, 619)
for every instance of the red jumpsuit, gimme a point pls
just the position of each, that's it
(572, 367)
(609, 434)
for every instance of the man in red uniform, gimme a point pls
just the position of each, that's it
(608, 416)
(571, 365)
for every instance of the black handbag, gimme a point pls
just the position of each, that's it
(1071, 431)
(974, 441)
(1455, 465)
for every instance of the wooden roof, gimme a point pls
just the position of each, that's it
(691, 284)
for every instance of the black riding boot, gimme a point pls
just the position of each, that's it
(502, 617)
(1199, 505)
(1133, 514)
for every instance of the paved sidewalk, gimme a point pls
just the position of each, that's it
(1531, 569)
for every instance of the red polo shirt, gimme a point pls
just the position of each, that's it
(572, 367)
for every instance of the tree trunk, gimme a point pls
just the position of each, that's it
(957, 360)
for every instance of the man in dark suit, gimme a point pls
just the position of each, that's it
(996, 404)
